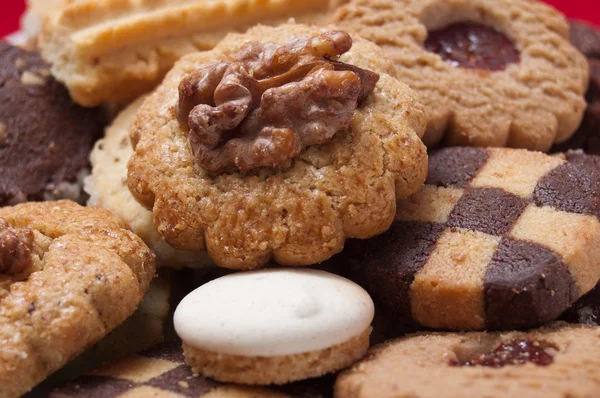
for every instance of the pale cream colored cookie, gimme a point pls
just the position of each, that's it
(68, 276)
(107, 187)
(299, 212)
(490, 72)
(115, 50)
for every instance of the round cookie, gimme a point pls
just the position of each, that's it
(319, 191)
(496, 239)
(68, 276)
(162, 372)
(587, 39)
(274, 326)
(553, 362)
(490, 72)
(107, 187)
(45, 139)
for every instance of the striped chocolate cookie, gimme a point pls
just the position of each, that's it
(162, 373)
(496, 239)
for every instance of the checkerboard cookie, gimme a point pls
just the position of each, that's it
(107, 187)
(68, 276)
(496, 239)
(342, 148)
(161, 372)
(112, 51)
(45, 139)
(490, 72)
(587, 39)
(557, 361)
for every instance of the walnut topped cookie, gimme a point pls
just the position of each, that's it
(277, 145)
(490, 72)
(68, 276)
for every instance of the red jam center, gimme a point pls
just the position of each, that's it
(472, 45)
(516, 352)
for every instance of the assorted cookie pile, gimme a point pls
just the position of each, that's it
(258, 198)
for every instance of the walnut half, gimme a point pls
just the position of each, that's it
(266, 103)
(16, 247)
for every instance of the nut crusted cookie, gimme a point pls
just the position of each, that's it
(68, 276)
(496, 239)
(300, 211)
(490, 72)
(162, 372)
(553, 362)
(107, 187)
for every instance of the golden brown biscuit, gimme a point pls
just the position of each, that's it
(107, 187)
(68, 276)
(557, 361)
(301, 212)
(519, 84)
(115, 50)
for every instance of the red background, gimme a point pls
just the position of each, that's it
(581, 9)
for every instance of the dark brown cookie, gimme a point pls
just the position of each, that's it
(496, 239)
(162, 372)
(45, 139)
(587, 39)
(586, 310)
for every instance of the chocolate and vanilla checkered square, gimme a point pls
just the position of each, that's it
(496, 239)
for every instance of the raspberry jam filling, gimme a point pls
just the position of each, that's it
(518, 352)
(473, 45)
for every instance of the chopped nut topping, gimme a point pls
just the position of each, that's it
(267, 103)
(16, 246)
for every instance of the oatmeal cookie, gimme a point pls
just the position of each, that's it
(490, 72)
(162, 372)
(45, 139)
(68, 276)
(283, 325)
(341, 158)
(557, 361)
(107, 187)
(496, 239)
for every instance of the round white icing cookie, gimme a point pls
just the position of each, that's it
(274, 325)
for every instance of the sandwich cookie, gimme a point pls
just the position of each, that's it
(274, 326)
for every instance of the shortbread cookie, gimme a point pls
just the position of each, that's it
(274, 326)
(115, 50)
(45, 139)
(553, 362)
(162, 372)
(587, 39)
(32, 19)
(341, 157)
(496, 239)
(107, 187)
(69, 275)
(490, 72)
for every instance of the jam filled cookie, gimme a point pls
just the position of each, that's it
(496, 239)
(587, 39)
(107, 187)
(162, 372)
(553, 362)
(490, 72)
(274, 326)
(45, 139)
(68, 276)
(277, 145)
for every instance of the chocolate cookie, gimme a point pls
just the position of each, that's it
(496, 239)
(45, 139)
(162, 372)
(586, 310)
(557, 361)
(587, 39)
(490, 72)
(68, 276)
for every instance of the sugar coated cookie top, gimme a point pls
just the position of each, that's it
(273, 312)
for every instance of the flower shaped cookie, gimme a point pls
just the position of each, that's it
(490, 72)
(318, 185)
